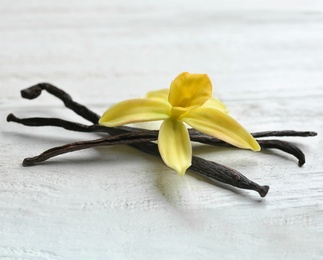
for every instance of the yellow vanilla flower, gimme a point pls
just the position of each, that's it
(187, 101)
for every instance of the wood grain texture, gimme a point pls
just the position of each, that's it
(266, 63)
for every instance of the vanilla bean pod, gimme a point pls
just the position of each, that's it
(34, 91)
(284, 133)
(57, 122)
(207, 139)
(284, 146)
(129, 138)
(265, 144)
(213, 171)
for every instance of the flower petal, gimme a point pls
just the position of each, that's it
(174, 145)
(161, 94)
(135, 110)
(190, 90)
(217, 104)
(219, 124)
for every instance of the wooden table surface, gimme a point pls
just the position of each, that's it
(266, 63)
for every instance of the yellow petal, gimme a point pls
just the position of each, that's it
(135, 110)
(174, 145)
(190, 90)
(219, 124)
(159, 94)
(217, 104)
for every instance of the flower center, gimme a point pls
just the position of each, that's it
(177, 112)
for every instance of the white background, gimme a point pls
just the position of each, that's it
(266, 63)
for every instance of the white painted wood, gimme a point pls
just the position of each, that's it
(266, 63)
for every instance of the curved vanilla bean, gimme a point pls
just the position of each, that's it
(129, 138)
(34, 91)
(284, 146)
